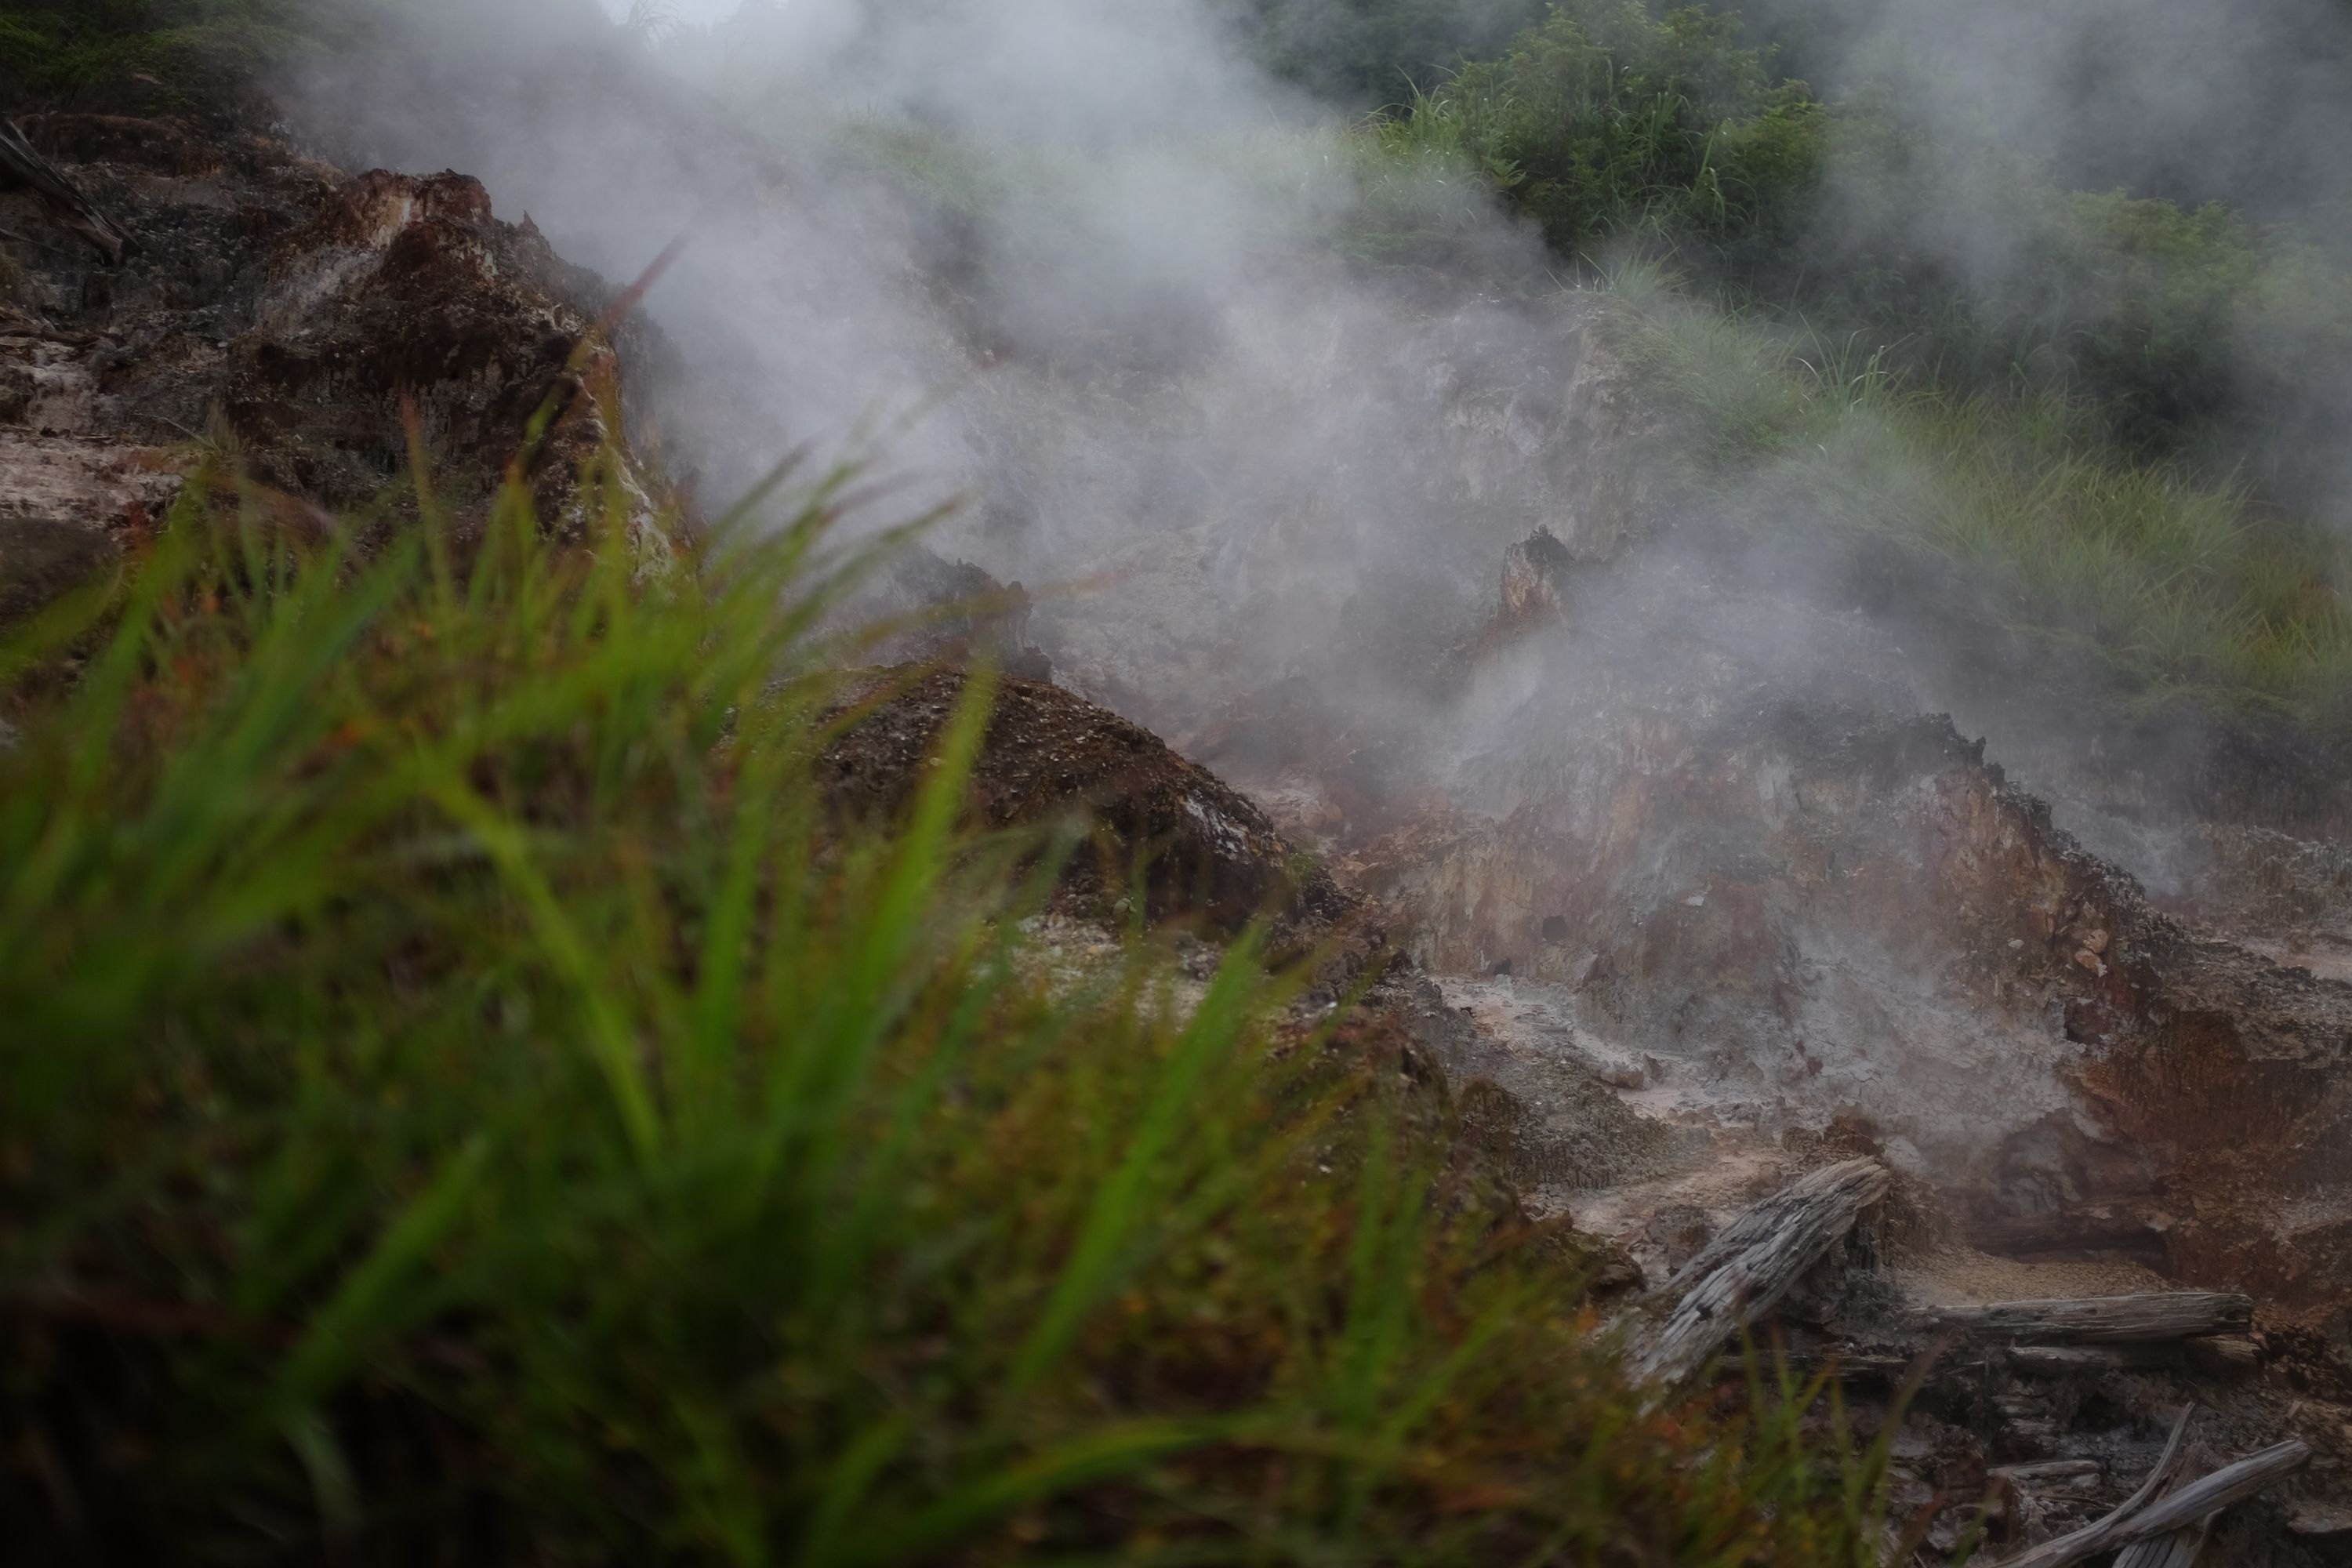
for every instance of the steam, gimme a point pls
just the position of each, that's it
(1281, 411)
(1084, 267)
(1072, 262)
(2248, 103)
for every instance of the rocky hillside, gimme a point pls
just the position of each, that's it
(299, 320)
(1662, 891)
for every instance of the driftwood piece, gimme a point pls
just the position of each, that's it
(2185, 1512)
(1751, 1264)
(2101, 1533)
(2068, 1361)
(2047, 1470)
(2151, 1316)
(2177, 1550)
(23, 168)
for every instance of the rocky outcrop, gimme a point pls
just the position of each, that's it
(281, 314)
(1049, 758)
(1803, 910)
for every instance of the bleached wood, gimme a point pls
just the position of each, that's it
(1751, 1264)
(2149, 1317)
(2049, 1470)
(2177, 1550)
(2185, 1510)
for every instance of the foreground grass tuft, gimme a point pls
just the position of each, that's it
(468, 1100)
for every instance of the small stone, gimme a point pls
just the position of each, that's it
(2320, 1519)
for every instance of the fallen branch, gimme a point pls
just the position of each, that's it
(2148, 1318)
(2103, 1532)
(24, 169)
(1750, 1265)
(2177, 1550)
(2047, 1470)
(2184, 1511)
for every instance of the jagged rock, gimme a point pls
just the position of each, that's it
(1532, 571)
(1048, 755)
(283, 310)
(952, 612)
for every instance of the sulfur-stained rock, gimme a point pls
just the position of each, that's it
(279, 311)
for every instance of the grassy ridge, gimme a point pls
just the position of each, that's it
(50, 46)
(466, 1097)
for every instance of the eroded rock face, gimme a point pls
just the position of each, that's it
(1802, 909)
(1050, 756)
(279, 310)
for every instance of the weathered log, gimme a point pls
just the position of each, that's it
(2178, 1550)
(2233, 1356)
(2231, 1484)
(2150, 1317)
(1751, 1264)
(2181, 1549)
(2186, 1509)
(2320, 1519)
(2101, 1533)
(2067, 1360)
(2049, 1470)
(24, 169)
(1853, 1367)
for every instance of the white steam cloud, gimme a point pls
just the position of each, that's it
(1071, 261)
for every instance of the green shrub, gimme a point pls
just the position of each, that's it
(1605, 123)
(1369, 52)
(2186, 332)
(2148, 588)
(53, 46)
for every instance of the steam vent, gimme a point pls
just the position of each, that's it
(1251, 781)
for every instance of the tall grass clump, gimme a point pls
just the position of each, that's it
(54, 46)
(2154, 589)
(467, 1096)
(1609, 127)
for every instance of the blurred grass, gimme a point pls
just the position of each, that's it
(467, 1099)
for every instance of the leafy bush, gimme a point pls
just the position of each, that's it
(1605, 123)
(1369, 52)
(2186, 333)
(2145, 587)
(52, 46)
(468, 1099)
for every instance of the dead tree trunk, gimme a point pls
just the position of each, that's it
(2151, 1318)
(1750, 1265)
(2163, 1525)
